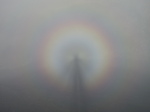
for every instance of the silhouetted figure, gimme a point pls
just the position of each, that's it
(79, 103)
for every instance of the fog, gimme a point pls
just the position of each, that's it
(39, 39)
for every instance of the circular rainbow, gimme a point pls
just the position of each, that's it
(100, 38)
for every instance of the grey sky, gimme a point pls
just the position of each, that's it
(22, 26)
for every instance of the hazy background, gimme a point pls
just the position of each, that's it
(24, 89)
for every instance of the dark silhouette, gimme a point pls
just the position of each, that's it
(79, 101)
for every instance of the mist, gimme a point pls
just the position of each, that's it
(39, 39)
